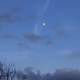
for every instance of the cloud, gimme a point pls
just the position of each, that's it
(8, 13)
(64, 30)
(37, 38)
(33, 38)
(71, 54)
(5, 18)
(16, 18)
(23, 46)
(75, 54)
(10, 18)
(20, 42)
(70, 28)
(8, 36)
(67, 74)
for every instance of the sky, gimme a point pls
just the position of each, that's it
(43, 34)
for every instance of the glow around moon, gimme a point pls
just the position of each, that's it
(44, 24)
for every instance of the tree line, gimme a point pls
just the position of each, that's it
(9, 72)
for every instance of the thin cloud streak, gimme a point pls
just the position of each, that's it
(64, 30)
(71, 54)
(37, 38)
(8, 36)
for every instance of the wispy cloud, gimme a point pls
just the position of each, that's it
(16, 18)
(17, 40)
(71, 54)
(23, 46)
(75, 54)
(34, 38)
(63, 30)
(22, 42)
(13, 13)
(8, 36)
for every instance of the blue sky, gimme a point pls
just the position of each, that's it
(43, 34)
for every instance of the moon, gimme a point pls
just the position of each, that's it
(40, 23)
(44, 24)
